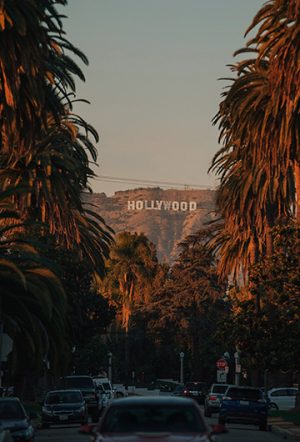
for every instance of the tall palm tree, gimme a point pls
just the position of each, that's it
(36, 72)
(131, 266)
(257, 161)
(32, 301)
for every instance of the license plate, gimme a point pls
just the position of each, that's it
(244, 402)
(63, 418)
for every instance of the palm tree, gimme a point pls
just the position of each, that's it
(257, 161)
(32, 300)
(44, 145)
(36, 72)
(131, 266)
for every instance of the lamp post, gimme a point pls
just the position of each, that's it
(109, 366)
(237, 377)
(181, 354)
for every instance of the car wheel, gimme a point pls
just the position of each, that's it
(207, 412)
(263, 426)
(95, 417)
(273, 406)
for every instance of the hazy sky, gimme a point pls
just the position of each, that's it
(153, 82)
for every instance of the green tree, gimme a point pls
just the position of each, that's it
(183, 314)
(268, 336)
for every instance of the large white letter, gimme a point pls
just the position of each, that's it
(183, 206)
(131, 205)
(175, 205)
(167, 205)
(139, 205)
(193, 205)
(159, 205)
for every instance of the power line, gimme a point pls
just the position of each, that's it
(122, 180)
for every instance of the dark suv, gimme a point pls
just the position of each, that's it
(244, 404)
(196, 390)
(88, 389)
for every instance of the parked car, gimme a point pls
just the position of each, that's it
(14, 418)
(88, 389)
(163, 385)
(213, 399)
(64, 406)
(119, 390)
(105, 389)
(178, 391)
(283, 398)
(196, 390)
(165, 418)
(244, 404)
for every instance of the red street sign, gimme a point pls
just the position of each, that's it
(221, 364)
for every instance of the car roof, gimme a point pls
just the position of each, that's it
(153, 400)
(77, 376)
(65, 390)
(244, 387)
(9, 399)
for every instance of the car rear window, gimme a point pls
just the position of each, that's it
(11, 410)
(219, 388)
(63, 398)
(79, 382)
(154, 418)
(196, 386)
(244, 393)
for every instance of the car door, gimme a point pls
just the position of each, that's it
(281, 398)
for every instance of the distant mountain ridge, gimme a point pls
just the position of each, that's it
(166, 217)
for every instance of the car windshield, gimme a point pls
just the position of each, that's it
(63, 398)
(219, 388)
(11, 410)
(244, 393)
(80, 382)
(154, 418)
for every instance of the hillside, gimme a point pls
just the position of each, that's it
(166, 217)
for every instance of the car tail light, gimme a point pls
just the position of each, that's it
(212, 398)
(185, 391)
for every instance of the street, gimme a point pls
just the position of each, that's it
(236, 433)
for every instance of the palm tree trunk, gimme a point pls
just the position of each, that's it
(297, 186)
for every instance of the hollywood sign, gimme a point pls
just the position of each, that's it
(176, 206)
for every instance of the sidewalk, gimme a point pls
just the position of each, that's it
(287, 430)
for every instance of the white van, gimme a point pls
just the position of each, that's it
(105, 390)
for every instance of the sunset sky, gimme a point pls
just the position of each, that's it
(153, 82)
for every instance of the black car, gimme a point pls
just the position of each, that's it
(89, 391)
(64, 406)
(14, 418)
(195, 390)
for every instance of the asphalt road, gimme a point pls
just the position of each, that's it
(61, 434)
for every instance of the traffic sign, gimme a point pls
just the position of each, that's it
(221, 376)
(221, 364)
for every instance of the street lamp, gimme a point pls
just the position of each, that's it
(109, 366)
(181, 354)
(237, 377)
